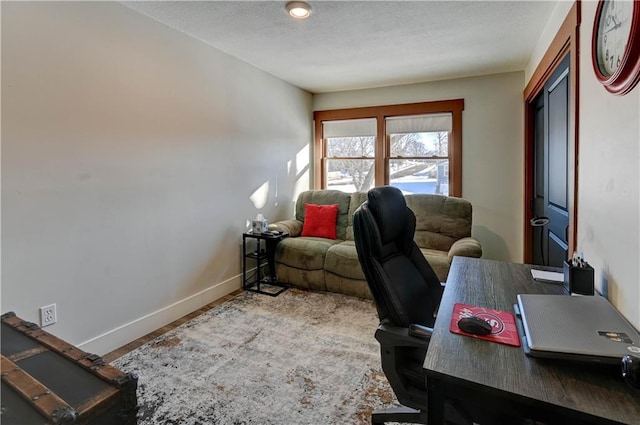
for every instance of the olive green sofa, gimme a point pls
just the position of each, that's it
(443, 230)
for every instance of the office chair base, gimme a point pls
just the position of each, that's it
(401, 414)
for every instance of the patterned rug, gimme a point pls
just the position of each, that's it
(298, 358)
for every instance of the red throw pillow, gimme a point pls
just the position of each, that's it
(320, 220)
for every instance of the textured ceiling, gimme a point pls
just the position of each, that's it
(361, 44)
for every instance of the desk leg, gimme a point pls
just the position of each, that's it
(435, 401)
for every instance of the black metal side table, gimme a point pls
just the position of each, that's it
(261, 249)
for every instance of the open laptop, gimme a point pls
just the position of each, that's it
(584, 328)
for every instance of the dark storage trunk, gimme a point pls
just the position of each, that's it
(48, 381)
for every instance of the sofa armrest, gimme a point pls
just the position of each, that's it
(292, 227)
(465, 247)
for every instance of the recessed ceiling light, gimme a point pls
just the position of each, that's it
(298, 9)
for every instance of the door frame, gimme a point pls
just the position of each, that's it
(565, 42)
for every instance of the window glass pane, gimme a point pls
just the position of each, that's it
(361, 146)
(420, 144)
(350, 175)
(420, 176)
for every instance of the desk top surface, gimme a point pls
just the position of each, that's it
(592, 389)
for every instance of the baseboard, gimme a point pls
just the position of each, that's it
(135, 329)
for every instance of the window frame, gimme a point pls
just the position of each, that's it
(382, 141)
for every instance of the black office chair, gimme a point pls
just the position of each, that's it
(407, 293)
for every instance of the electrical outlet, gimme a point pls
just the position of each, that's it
(48, 315)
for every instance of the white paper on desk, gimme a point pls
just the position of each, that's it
(547, 276)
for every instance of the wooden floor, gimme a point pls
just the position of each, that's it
(109, 357)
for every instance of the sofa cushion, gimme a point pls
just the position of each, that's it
(308, 279)
(440, 220)
(304, 252)
(320, 221)
(439, 261)
(465, 247)
(342, 260)
(327, 197)
(357, 199)
(344, 285)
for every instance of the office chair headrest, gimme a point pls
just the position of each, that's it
(389, 209)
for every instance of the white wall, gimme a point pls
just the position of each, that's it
(609, 181)
(132, 156)
(608, 177)
(556, 19)
(492, 148)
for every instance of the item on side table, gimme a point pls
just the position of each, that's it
(259, 225)
(47, 380)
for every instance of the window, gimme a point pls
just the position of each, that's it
(350, 154)
(420, 150)
(419, 153)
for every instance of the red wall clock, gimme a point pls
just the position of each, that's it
(615, 45)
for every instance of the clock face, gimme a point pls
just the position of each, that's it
(614, 28)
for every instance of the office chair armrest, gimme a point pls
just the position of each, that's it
(465, 247)
(400, 337)
(420, 331)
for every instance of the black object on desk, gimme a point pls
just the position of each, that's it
(475, 325)
(631, 370)
(262, 250)
(503, 377)
(578, 279)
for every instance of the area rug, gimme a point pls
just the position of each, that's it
(298, 358)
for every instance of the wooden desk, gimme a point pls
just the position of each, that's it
(502, 378)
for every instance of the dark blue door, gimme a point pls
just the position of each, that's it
(551, 169)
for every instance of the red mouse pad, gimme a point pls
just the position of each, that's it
(503, 323)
